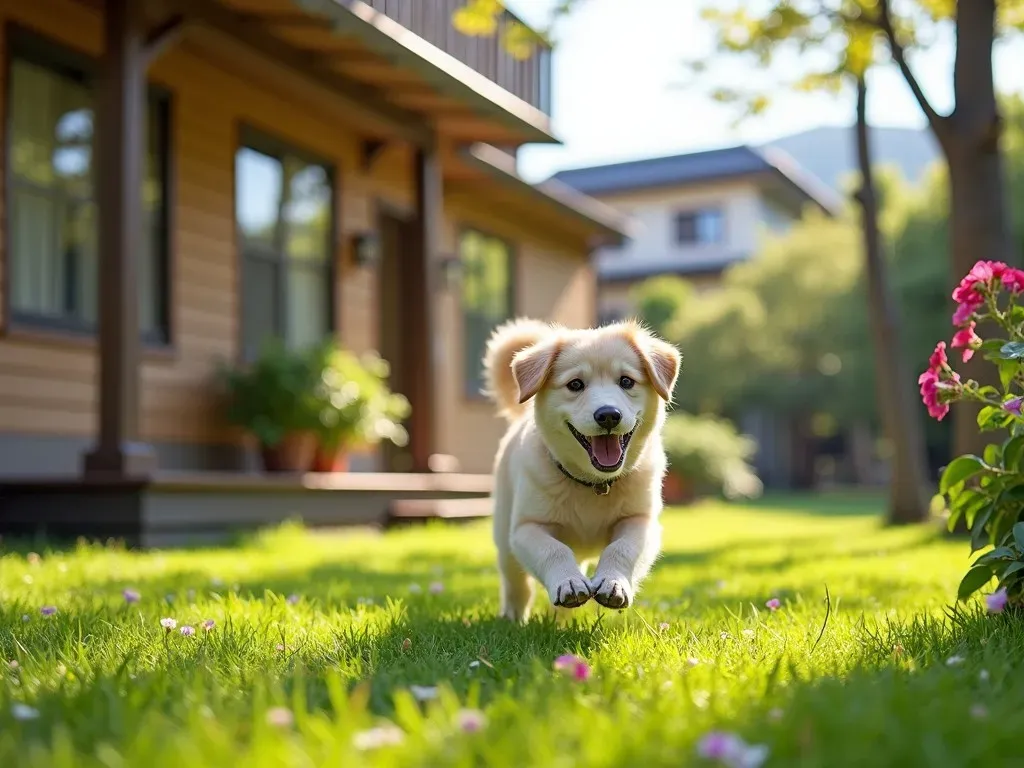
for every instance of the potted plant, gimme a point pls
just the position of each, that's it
(356, 408)
(273, 400)
(707, 455)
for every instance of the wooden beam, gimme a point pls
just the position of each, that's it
(369, 152)
(120, 117)
(162, 37)
(406, 124)
(418, 285)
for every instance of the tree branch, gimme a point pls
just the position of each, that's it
(936, 121)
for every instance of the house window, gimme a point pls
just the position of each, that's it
(487, 298)
(53, 211)
(284, 207)
(701, 227)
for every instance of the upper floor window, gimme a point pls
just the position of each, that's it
(487, 298)
(705, 226)
(52, 234)
(284, 207)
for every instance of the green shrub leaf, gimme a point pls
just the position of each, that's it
(1018, 535)
(975, 579)
(958, 470)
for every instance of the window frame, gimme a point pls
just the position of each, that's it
(695, 214)
(80, 67)
(472, 380)
(268, 143)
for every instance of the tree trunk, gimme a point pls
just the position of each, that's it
(969, 139)
(898, 408)
(979, 214)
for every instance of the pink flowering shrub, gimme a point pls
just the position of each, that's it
(986, 491)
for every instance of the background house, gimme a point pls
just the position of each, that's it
(694, 214)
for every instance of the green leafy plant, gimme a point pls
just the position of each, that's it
(987, 491)
(274, 395)
(711, 454)
(355, 406)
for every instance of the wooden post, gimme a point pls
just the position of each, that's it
(120, 127)
(418, 286)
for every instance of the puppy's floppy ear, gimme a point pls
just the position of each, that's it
(661, 364)
(532, 366)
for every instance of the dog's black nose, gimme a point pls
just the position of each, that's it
(607, 417)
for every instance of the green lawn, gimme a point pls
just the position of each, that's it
(101, 683)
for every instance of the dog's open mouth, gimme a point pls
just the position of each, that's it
(607, 452)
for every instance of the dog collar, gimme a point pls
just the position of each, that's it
(601, 489)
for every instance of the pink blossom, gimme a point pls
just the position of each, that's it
(964, 311)
(1013, 405)
(48, 610)
(436, 588)
(131, 596)
(774, 604)
(731, 750)
(293, 599)
(208, 625)
(1013, 280)
(573, 665)
(996, 602)
(187, 631)
(664, 626)
(938, 361)
(968, 339)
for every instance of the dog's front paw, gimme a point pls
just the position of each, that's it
(612, 592)
(570, 593)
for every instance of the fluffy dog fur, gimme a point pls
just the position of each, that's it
(546, 524)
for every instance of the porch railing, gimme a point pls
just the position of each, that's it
(529, 79)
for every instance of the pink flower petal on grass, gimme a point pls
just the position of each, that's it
(48, 610)
(208, 625)
(187, 631)
(471, 720)
(131, 596)
(574, 666)
(280, 717)
(774, 604)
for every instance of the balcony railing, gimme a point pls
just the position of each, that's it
(529, 79)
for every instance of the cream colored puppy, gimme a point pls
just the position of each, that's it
(579, 472)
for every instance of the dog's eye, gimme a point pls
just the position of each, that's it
(626, 383)
(576, 385)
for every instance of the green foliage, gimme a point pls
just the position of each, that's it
(324, 389)
(274, 395)
(355, 405)
(660, 300)
(711, 454)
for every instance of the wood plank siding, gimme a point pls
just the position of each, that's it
(48, 380)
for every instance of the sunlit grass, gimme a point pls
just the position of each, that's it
(700, 651)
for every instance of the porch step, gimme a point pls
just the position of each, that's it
(409, 511)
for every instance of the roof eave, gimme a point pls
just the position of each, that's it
(394, 42)
(611, 228)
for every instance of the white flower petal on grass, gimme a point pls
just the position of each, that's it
(24, 712)
(748, 633)
(168, 623)
(983, 676)
(423, 692)
(955, 661)
(415, 589)
(379, 736)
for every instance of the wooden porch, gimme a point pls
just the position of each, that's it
(193, 508)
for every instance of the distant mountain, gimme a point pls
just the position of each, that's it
(828, 152)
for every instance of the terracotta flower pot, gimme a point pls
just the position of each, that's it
(677, 489)
(293, 454)
(330, 460)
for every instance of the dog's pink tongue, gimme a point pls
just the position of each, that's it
(607, 449)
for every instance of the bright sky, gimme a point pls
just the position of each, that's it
(620, 89)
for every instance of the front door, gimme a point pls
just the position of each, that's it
(396, 244)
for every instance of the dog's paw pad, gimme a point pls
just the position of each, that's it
(571, 593)
(613, 593)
